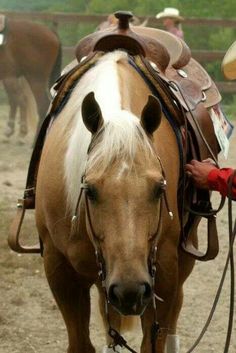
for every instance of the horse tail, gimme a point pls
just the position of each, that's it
(30, 105)
(56, 70)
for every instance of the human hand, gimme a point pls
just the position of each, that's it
(199, 172)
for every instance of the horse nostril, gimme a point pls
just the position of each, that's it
(112, 295)
(147, 291)
(129, 295)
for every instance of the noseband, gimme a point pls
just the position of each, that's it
(152, 259)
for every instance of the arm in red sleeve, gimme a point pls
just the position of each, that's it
(218, 180)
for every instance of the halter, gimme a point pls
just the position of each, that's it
(118, 340)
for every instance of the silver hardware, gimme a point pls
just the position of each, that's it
(83, 58)
(158, 298)
(154, 66)
(182, 73)
(204, 96)
(74, 218)
(171, 215)
(173, 86)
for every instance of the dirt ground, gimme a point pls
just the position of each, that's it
(29, 319)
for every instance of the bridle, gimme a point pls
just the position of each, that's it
(118, 340)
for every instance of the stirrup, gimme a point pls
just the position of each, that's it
(212, 243)
(14, 234)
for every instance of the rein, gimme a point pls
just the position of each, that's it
(229, 261)
(232, 233)
(118, 339)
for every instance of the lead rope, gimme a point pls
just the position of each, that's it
(232, 234)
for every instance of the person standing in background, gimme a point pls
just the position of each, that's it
(172, 20)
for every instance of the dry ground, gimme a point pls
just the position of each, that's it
(29, 319)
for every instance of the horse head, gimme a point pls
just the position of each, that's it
(123, 186)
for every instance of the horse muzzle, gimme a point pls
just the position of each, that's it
(131, 298)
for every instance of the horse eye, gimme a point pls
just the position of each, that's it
(91, 193)
(158, 191)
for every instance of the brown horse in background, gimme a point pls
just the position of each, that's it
(31, 50)
(20, 99)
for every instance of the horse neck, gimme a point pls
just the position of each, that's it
(132, 99)
(164, 139)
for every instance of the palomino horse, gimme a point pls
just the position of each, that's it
(31, 50)
(20, 98)
(104, 163)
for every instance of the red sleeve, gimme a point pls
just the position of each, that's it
(218, 180)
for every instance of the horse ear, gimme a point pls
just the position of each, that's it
(91, 113)
(151, 115)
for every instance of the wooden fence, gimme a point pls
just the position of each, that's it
(60, 19)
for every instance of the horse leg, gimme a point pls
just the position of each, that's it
(72, 298)
(168, 311)
(41, 95)
(23, 112)
(166, 288)
(186, 264)
(11, 91)
(114, 319)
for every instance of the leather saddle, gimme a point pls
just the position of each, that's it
(169, 55)
(169, 58)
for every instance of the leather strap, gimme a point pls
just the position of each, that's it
(229, 260)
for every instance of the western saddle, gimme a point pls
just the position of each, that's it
(185, 88)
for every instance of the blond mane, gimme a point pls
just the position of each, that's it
(122, 134)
